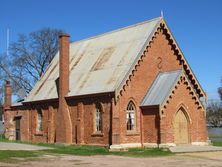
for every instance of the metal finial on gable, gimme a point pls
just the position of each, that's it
(161, 12)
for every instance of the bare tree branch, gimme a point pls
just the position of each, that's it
(32, 54)
(28, 59)
(214, 114)
(220, 91)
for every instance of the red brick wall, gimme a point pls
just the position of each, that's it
(9, 117)
(83, 120)
(39, 136)
(151, 125)
(82, 113)
(197, 127)
(142, 79)
(28, 116)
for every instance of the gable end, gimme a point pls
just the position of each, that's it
(162, 26)
(181, 58)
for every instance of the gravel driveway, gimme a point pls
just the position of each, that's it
(206, 159)
(198, 159)
(17, 146)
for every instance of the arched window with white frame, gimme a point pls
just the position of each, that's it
(130, 116)
(98, 118)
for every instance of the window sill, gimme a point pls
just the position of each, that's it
(97, 134)
(132, 133)
(38, 134)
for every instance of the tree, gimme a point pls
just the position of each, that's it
(214, 111)
(220, 91)
(214, 114)
(30, 55)
(28, 59)
(3, 76)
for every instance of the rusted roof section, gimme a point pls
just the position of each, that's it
(98, 64)
(161, 88)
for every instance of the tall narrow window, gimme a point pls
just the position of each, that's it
(98, 120)
(39, 121)
(130, 116)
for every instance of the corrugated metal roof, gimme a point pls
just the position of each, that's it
(161, 88)
(97, 64)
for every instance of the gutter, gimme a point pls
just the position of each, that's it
(111, 93)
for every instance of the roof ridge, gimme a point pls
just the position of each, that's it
(86, 84)
(116, 30)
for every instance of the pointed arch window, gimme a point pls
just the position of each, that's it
(98, 118)
(130, 116)
(39, 121)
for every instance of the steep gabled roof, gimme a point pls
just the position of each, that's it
(97, 64)
(104, 63)
(161, 88)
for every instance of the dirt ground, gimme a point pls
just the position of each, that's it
(204, 159)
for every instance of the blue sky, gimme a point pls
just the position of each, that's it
(196, 25)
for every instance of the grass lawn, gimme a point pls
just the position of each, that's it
(9, 156)
(93, 150)
(2, 138)
(217, 143)
(18, 156)
(146, 152)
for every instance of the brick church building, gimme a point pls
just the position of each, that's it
(130, 87)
